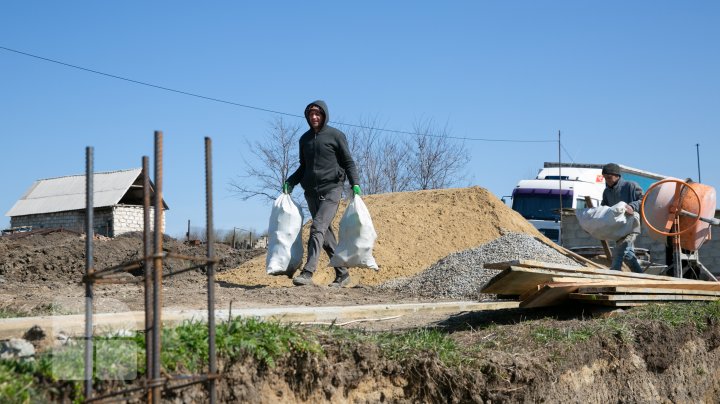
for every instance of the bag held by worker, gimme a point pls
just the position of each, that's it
(356, 238)
(608, 222)
(285, 249)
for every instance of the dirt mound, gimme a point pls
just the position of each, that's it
(60, 256)
(415, 229)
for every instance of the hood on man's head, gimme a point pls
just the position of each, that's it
(323, 106)
(611, 168)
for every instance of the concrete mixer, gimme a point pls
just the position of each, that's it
(681, 213)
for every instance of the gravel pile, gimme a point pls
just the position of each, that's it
(461, 275)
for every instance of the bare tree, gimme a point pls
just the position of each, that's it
(396, 171)
(381, 159)
(436, 160)
(274, 158)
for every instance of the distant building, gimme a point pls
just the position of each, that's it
(261, 242)
(60, 203)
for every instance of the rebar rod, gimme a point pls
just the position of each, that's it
(157, 266)
(89, 235)
(147, 264)
(210, 268)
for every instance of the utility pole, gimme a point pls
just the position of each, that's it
(560, 190)
(187, 235)
(697, 147)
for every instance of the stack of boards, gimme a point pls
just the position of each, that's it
(540, 284)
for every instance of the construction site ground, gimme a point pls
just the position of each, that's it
(41, 275)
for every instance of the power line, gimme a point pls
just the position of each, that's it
(567, 152)
(237, 104)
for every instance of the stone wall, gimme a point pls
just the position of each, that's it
(574, 236)
(128, 218)
(110, 221)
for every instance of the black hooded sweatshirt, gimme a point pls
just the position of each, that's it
(325, 159)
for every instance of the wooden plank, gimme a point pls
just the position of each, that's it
(529, 264)
(549, 295)
(566, 270)
(637, 297)
(646, 290)
(517, 280)
(569, 279)
(620, 281)
(615, 304)
(556, 292)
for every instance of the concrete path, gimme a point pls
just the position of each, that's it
(108, 322)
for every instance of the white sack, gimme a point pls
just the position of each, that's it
(285, 249)
(356, 238)
(608, 222)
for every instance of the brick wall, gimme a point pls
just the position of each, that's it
(111, 221)
(574, 236)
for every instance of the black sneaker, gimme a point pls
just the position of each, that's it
(340, 281)
(305, 278)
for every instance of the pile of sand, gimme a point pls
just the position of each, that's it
(415, 230)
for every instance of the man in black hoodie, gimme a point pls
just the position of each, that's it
(325, 162)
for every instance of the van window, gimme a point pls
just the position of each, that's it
(540, 207)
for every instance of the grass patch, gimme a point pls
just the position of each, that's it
(17, 385)
(45, 309)
(265, 341)
(185, 347)
(680, 314)
(397, 346)
(6, 312)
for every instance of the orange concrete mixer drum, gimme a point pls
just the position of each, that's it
(665, 200)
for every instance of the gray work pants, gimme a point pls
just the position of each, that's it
(625, 250)
(323, 209)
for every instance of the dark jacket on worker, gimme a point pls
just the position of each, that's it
(325, 159)
(623, 191)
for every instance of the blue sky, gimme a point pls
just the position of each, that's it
(632, 82)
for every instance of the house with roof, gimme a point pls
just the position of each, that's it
(54, 203)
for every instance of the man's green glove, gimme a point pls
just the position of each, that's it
(287, 188)
(356, 190)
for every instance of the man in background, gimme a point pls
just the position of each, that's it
(618, 190)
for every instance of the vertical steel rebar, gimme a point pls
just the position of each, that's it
(210, 268)
(89, 235)
(147, 266)
(157, 266)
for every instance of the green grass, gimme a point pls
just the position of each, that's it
(680, 314)
(41, 310)
(186, 347)
(17, 384)
(122, 358)
(397, 346)
(10, 312)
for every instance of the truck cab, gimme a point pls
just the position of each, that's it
(540, 200)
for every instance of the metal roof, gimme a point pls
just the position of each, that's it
(68, 193)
